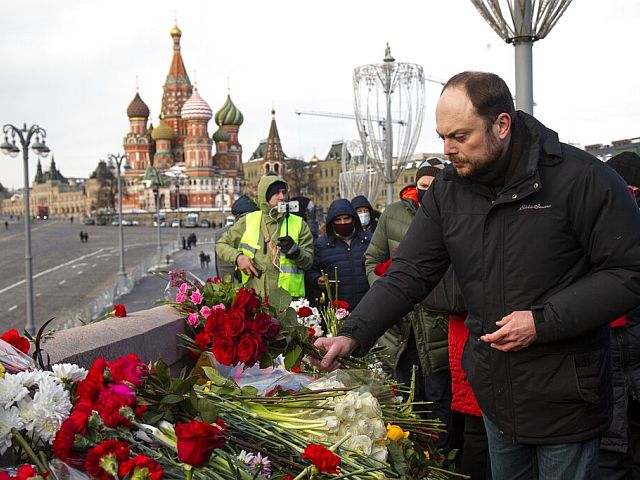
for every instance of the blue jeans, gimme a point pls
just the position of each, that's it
(563, 461)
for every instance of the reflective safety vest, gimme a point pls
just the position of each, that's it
(290, 277)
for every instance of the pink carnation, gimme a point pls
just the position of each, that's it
(196, 297)
(205, 311)
(219, 306)
(341, 313)
(192, 319)
(181, 297)
(183, 287)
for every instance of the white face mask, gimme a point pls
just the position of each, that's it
(365, 218)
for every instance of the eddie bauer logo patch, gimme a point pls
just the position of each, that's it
(537, 206)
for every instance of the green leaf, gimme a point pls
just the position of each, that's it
(172, 398)
(152, 418)
(397, 455)
(293, 357)
(183, 386)
(280, 299)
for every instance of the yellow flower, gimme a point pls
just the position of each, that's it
(395, 433)
(2, 371)
(426, 454)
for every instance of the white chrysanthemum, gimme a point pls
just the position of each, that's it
(11, 390)
(245, 457)
(50, 407)
(69, 372)
(9, 418)
(298, 304)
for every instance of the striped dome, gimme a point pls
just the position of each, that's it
(163, 131)
(137, 108)
(220, 136)
(229, 114)
(196, 108)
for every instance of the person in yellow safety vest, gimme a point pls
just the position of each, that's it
(271, 249)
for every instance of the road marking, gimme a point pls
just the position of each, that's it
(62, 282)
(94, 265)
(80, 272)
(38, 294)
(12, 308)
(104, 255)
(53, 269)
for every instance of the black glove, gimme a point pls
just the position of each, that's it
(290, 248)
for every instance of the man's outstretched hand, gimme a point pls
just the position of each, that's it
(335, 347)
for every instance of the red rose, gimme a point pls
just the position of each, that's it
(203, 341)
(128, 368)
(249, 349)
(381, 268)
(215, 322)
(261, 323)
(214, 280)
(246, 300)
(224, 349)
(234, 322)
(340, 304)
(103, 459)
(141, 462)
(13, 337)
(119, 310)
(305, 312)
(274, 329)
(196, 441)
(322, 458)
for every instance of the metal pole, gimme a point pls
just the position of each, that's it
(389, 135)
(178, 208)
(118, 159)
(31, 325)
(523, 45)
(157, 195)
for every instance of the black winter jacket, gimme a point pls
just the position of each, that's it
(562, 238)
(329, 251)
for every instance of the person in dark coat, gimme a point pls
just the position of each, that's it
(368, 216)
(343, 246)
(242, 206)
(544, 240)
(620, 444)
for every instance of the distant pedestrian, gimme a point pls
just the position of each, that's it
(202, 260)
(81, 236)
(6, 225)
(86, 237)
(71, 218)
(184, 243)
(207, 260)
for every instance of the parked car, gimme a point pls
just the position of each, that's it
(101, 221)
(205, 223)
(175, 223)
(89, 221)
(127, 223)
(116, 222)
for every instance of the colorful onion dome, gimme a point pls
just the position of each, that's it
(196, 108)
(229, 114)
(137, 108)
(163, 131)
(313, 159)
(220, 136)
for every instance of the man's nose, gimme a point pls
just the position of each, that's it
(449, 147)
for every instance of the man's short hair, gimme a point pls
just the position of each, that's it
(489, 94)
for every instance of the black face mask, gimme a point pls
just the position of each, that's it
(421, 193)
(343, 229)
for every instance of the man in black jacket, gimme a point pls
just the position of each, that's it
(545, 242)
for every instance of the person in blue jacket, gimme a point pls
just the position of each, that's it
(343, 246)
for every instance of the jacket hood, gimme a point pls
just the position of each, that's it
(243, 205)
(338, 207)
(361, 201)
(263, 185)
(410, 193)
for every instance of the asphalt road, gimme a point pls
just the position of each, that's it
(69, 275)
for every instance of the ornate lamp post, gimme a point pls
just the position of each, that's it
(40, 148)
(119, 158)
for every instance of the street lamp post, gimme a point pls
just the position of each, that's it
(40, 148)
(156, 195)
(178, 209)
(119, 158)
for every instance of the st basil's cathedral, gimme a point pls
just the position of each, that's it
(179, 149)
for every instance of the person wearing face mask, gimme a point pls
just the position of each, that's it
(368, 216)
(420, 338)
(342, 247)
(270, 249)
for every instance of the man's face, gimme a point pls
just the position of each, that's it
(469, 144)
(340, 219)
(279, 196)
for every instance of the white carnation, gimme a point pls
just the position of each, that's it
(69, 372)
(9, 418)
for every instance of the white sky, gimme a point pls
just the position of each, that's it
(71, 66)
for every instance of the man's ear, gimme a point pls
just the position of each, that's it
(502, 126)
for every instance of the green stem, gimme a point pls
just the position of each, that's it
(42, 468)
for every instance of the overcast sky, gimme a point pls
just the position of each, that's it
(71, 66)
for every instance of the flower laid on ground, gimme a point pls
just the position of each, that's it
(119, 310)
(322, 458)
(197, 441)
(12, 337)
